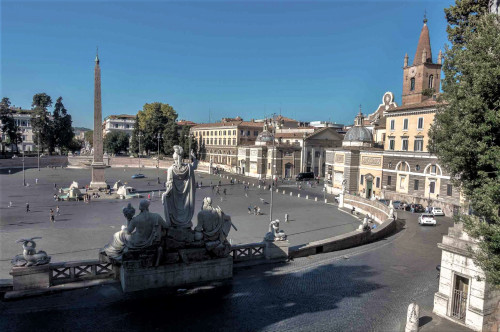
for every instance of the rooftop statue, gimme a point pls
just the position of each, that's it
(179, 198)
(142, 231)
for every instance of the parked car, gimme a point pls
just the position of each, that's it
(427, 219)
(418, 208)
(138, 176)
(397, 204)
(305, 176)
(437, 211)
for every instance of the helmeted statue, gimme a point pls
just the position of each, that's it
(179, 198)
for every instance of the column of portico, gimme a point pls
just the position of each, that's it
(313, 159)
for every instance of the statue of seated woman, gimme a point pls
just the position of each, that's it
(142, 232)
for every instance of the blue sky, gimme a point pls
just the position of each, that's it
(312, 60)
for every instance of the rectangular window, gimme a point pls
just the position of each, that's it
(389, 180)
(234, 141)
(391, 144)
(224, 133)
(220, 141)
(419, 144)
(404, 144)
(248, 133)
(432, 187)
(224, 141)
(449, 190)
(383, 137)
(256, 133)
(420, 123)
(415, 186)
(405, 124)
(234, 132)
(392, 125)
(377, 183)
(241, 132)
(361, 179)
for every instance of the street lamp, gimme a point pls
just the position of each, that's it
(38, 147)
(140, 135)
(273, 156)
(159, 137)
(24, 174)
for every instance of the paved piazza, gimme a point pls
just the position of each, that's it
(82, 229)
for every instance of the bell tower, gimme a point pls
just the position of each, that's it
(421, 80)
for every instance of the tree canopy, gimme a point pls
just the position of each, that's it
(116, 142)
(55, 131)
(466, 132)
(9, 126)
(155, 118)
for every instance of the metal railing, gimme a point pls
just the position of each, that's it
(458, 304)
(246, 252)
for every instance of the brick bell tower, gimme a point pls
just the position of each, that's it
(421, 80)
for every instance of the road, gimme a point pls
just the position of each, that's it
(360, 289)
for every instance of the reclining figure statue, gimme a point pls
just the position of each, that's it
(213, 228)
(142, 232)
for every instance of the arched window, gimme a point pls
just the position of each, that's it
(412, 84)
(403, 166)
(431, 81)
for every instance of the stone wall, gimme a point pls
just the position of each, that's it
(378, 211)
(31, 162)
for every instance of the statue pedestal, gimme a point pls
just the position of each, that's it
(33, 277)
(276, 249)
(98, 180)
(175, 275)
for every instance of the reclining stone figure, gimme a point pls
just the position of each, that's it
(213, 228)
(142, 232)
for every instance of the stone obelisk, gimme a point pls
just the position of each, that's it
(98, 166)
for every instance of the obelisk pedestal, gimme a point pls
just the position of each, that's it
(98, 166)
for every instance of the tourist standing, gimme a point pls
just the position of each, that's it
(27, 207)
(10, 203)
(36, 181)
(286, 217)
(58, 211)
(52, 219)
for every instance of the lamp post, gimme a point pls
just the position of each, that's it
(139, 135)
(24, 174)
(159, 137)
(273, 166)
(38, 147)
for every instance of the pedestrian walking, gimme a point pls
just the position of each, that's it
(55, 185)
(149, 197)
(224, 191)
(258, 210)
(9, 171)
(58, 211)
(27, 207)
(52, 218)
(10, 203)
(152, 195)
(55, 197)
(255, 210)
(219, 183)
(36, 181)
(286, 217)
(249, 209)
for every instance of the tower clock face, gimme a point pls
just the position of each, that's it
(413, 72)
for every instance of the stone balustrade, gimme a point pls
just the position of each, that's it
(246, 252)
(66, 272)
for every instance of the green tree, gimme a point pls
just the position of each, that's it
(75, 145)
(116, 142)
(466, 132)
(41, 123)
(155, 118)
(9, 126)
(62, 126)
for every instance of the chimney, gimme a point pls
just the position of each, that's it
(406, 60)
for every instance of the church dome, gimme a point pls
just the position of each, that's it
(265, 137)
(359, 134)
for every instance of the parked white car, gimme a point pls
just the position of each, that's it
(437, 211)
(427, 219)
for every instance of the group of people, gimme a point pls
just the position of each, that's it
(255, 210)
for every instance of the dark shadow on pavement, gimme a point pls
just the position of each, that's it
(255, 299)
(424, 320)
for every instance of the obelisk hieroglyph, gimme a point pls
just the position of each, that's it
(98, 166)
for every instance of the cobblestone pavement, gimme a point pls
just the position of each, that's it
(82, 229)
(367, 288)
